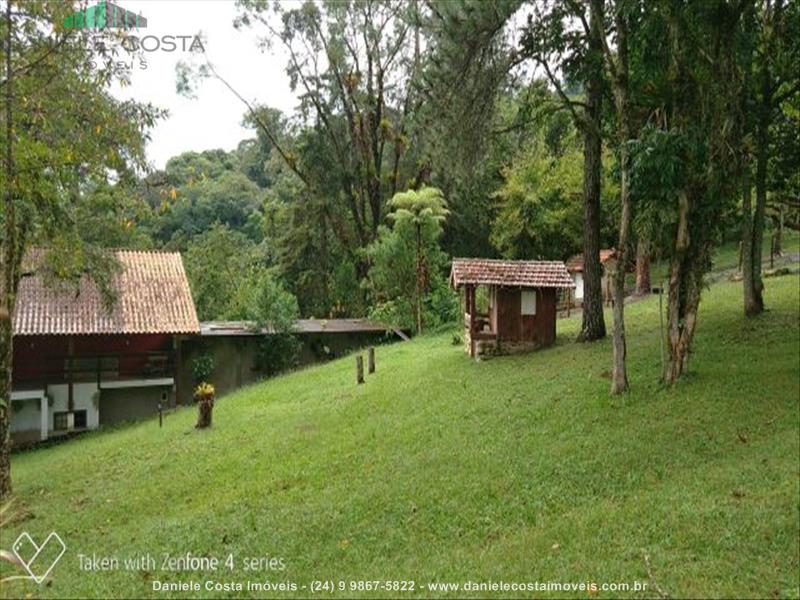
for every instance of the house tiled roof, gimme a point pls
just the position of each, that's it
(513, 273)
(153, 296)
(575, 264)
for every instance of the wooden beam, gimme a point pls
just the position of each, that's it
(176, 364)
(471, 293)
(70, 367)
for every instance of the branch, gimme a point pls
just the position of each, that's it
(580, 121)
(609, 55)
(35, 62)
(292, 164)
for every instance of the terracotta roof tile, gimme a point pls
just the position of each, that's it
(153, 296)
(515, 273)
(575, 264)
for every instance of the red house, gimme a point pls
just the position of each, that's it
(516, 311)
(78, 365)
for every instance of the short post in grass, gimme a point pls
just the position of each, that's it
(661, 328)
(359, 369)
(772, 252)
(160, 415)
(371, 360)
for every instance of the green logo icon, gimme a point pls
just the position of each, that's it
(104, 15)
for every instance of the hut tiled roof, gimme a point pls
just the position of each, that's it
(575, 264)
(512, 273)
(152, 290)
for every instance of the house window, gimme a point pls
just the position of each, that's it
(60, 421)
(63, 422)
(84, 368)
(80, 419)
(528, 302)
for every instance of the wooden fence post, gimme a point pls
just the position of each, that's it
(772, 252)
(661, 329)
(360, 369)
(371, 360)
(740, 257)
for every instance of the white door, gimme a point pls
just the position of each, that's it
(578, 280)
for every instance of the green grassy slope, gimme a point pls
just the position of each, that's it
(440, 468)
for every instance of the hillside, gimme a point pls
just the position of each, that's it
(442, 469)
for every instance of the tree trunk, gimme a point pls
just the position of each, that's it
(6, 353)
(751, 303)
(675, 363)
(619, 375)
(777, 245)
(9, 270)
(643, 268)
(419, 279)
(754, 285)
(205, 410)
(593, 326)
(762, 157)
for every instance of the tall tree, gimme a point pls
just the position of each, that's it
(60, 129)
(354, 64)
(685, 162)
(617, 61)
(423, 208)
(774, 79)
(555, 41)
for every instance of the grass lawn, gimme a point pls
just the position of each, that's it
(443, 469)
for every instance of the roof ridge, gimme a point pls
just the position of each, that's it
(148, 251)
(512, 260)
(116, 249)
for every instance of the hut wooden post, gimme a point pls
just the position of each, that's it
(569, 300)
(371, 360)
(471, 311)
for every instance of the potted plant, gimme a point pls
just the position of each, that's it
(204, 396)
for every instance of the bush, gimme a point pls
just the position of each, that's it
(275, 309)
(278, 352)
(202, 368)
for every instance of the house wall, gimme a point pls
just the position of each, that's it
(26, 419)
(513, 327)
(26, 415)
(85, 397)
(541, 327)
(42, 359)
(40, 362)
(234, 363)
(119, 405)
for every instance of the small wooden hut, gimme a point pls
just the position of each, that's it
(518, 311)
(608, 264)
